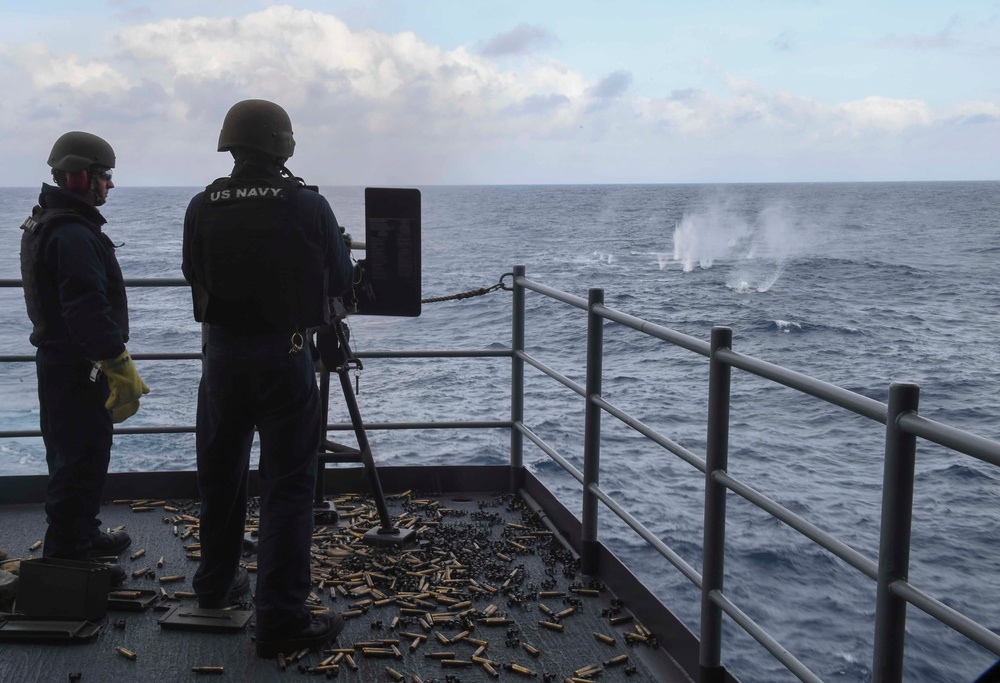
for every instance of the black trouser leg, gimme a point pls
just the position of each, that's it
(224, 435)
(289, 428)
(77, 432)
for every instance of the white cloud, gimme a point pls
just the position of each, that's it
(393, 108)
(48, 71)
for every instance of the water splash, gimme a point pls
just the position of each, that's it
(708, 235)
(759, 250)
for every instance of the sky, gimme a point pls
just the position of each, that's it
(469, 92)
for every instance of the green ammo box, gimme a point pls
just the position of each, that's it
(63, 589)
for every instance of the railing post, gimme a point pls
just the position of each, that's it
(592, 434)
(517, 382)
(716, 459)
(894, 535)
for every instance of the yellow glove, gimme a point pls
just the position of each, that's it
(123, 378)
(124, 412)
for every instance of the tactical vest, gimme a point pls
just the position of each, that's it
(40, 295)
(254, 268)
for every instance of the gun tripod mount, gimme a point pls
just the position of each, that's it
(335, 353)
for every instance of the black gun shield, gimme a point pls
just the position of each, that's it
(392, 251)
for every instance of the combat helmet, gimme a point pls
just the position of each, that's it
(77, 151)
(259, 125)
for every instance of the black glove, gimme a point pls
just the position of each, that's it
(346, 236)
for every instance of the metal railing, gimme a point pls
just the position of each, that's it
(902, 424)
(902, 428)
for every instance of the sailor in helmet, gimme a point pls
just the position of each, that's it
(263, 253)
(75, 296)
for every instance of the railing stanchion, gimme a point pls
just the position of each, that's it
(716, 459)
(592, 434)
(894, 535)
(517, 381)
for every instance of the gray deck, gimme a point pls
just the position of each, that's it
(488, 549)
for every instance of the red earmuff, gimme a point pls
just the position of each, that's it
(77, 182)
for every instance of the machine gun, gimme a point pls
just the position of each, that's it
(390, 286)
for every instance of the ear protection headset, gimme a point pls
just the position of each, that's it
(78, 182)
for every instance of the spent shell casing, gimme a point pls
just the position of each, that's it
(140, 572)
(171, 579)
(523, 670)
(490, 670)
(124, 595)
(377, 652)
(551, 625)
(615, 661)
(533, 651)
(604, 638)
(456, 663)
(127, 654)
(321, 669)
(213, 670)
(393, 674)
(565, 613)
(137, 554)
(440, 655)
(35, 546)
(623, 619)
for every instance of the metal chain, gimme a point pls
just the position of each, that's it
(475, 292)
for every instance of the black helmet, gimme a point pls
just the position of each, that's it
(77, 151)
(258, 125)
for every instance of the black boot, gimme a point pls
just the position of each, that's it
(108, 543)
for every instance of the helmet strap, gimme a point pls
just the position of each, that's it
(285, 173)
(95, 191)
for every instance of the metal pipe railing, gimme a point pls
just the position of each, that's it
(714, 548)
(894, 535)
(592, 435)
(896, 516)
(903, 427)
(517, 378)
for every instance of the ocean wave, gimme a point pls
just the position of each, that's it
(794, 327)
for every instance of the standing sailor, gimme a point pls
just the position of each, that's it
(75, 295)
(263, 252)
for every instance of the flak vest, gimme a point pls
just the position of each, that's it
(41, 297)
(254, 268)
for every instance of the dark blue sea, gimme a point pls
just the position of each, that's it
(859, 285)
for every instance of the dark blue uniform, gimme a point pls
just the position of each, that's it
(261, 253)
(76, 301)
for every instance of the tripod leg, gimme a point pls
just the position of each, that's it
(387, 533)
(324, 397)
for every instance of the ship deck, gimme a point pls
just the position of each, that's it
(492, 574)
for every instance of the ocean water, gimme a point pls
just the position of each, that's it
(856, 284)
